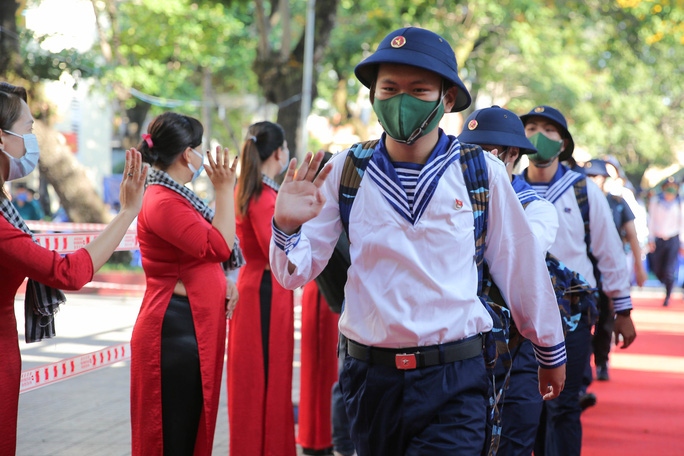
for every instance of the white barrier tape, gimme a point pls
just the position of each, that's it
(39, 225)
(70, 242)
(71, 367)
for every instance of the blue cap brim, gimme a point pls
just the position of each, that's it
(367, 71)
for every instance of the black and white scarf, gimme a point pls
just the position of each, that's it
(270, 182)
(41, 302)
(159, 177)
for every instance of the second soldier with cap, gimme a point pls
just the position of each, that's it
(501, 132)
(581, 248)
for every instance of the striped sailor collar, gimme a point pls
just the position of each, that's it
(561, 181)
(523, 190)
(381, 170)
(270, 182)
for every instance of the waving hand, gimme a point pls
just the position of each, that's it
(299, 198)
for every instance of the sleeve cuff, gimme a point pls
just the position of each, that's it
(285, 242)
(622, 303)
(551, 357)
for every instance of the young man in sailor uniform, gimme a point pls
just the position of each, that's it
(414, 378)
(501, 132)
(547, 129)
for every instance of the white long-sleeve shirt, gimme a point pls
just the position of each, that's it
(606, 246)
(415, 284)
(540, 213)
(665, 218)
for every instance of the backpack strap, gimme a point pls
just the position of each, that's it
(476, 178)
(354, 168)
(582, 196)
(496, 342)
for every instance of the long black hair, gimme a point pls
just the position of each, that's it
(263, 138)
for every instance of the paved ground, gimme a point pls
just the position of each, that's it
(89, 414)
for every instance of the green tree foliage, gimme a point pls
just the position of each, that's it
(175, 54)
(162, 48)
(614, 68)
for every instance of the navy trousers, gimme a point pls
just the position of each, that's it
(521, 406)
(342, 442)
(664, 261)
(603, 331)
(430, 411)
(560, 433)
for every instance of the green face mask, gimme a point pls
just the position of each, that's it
(547, 149)
(405, 118)
(671, 190)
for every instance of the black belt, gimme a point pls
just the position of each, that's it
(415, 357)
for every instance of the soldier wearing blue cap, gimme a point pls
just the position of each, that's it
(501, 132)
(586, 243)
(414, 379)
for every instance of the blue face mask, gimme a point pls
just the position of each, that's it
(22, 167)
(196, 171)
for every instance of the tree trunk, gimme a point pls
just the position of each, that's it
(9, 39)
(69, 179)
(135, 117)
(281, 80)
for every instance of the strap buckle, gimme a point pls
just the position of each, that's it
(405, 361)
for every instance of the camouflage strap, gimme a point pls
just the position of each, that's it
(476, 179)
(496, 344)
(354, 168)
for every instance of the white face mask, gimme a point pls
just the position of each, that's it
(196, 171)
(284, 166)
(21, 167)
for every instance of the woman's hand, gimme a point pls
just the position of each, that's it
(231, 297)
(130, 196)
(220, 170)
(133, 182)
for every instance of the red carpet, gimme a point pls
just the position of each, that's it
(640, 411)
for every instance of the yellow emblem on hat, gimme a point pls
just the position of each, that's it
(539, 109)
(472, 125)
(398, 41)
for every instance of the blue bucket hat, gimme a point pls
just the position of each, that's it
(496, 126)
(419, 48)
(596, 167)
(554, 115)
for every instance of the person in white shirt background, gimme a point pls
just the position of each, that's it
(665, 225)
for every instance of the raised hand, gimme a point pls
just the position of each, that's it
(220, 170)
(133, 182)
(300, 198)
